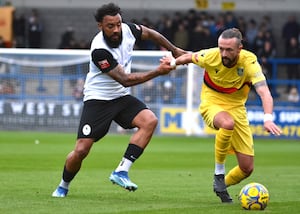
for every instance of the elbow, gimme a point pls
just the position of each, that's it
(125, 82)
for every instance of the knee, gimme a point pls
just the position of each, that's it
(82, 149)
(145, 120)
(224, 120)
(151, 122)
(228, 124)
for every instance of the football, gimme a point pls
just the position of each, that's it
(254, 196)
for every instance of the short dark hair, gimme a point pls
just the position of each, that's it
(232, 33)
(110, 9)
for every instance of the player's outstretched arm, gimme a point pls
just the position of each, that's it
(181, 60)
(136, 78)
(159, 39)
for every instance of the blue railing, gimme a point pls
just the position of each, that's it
(275, 82)
(21, 81)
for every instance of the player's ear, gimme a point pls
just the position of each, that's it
(240, 47)
(100, 25)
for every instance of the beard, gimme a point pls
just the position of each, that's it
(113, 41)
(229, 62)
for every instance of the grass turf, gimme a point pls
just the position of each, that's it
(174, 176)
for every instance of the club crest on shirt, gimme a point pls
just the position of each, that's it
(104, 64)
(240, 71)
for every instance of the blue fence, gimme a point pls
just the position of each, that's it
(22, 87)
(275, 82)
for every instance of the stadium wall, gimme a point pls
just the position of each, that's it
(58, 15)
(57, 20)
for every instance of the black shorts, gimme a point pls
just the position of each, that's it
(97, 115)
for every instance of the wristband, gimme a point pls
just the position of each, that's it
(173, 63)
(268, 117)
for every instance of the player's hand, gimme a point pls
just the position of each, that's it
(164, 66)
(272, 128)
(167, 60)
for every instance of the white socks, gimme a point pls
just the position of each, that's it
(64, 184)
(124, 165)
(219, 169)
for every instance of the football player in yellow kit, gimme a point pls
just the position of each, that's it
(230, 71)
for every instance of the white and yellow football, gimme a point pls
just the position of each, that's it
(254, 196)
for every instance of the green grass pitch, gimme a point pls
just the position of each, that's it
(174, 175)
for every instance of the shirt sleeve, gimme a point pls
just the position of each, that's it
(198, 58)
(104, 60)
(136, 31)
(257, 74)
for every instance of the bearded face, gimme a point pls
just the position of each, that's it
(229, 62)
(113, 40)
(229, 50)
(111, 26)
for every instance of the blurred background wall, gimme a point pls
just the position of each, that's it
(57, 16)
